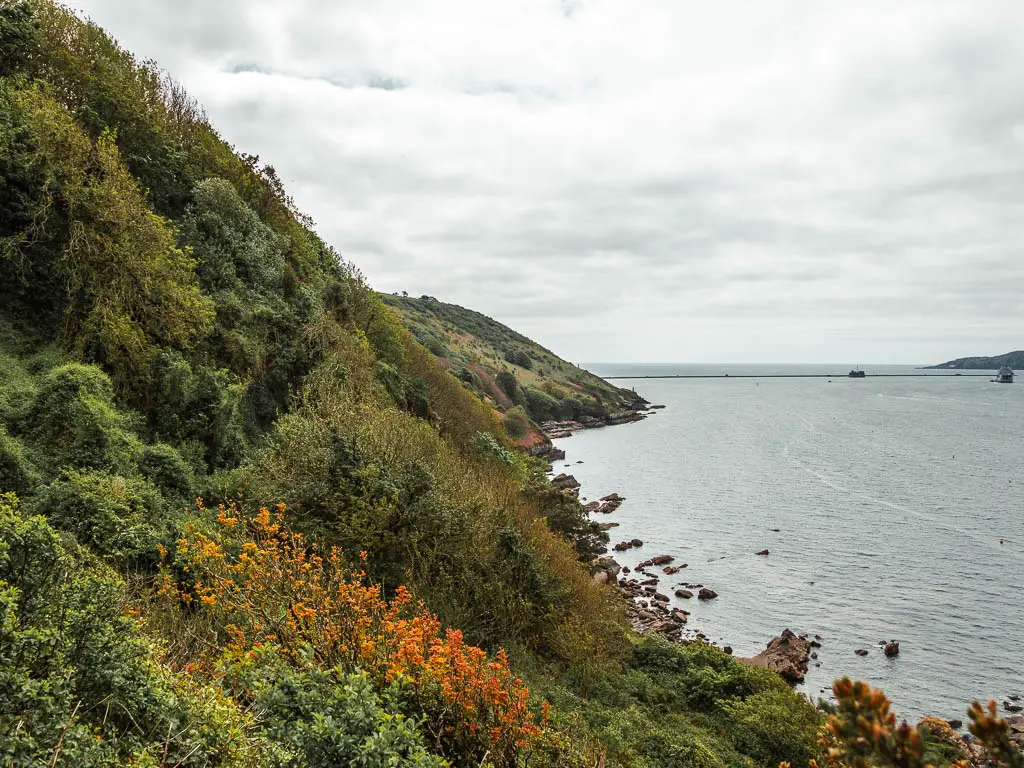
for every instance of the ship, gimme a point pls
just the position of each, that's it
(1005, 375)
(856, 373)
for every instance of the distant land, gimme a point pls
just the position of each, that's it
(1012, 359)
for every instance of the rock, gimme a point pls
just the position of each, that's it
(601, 577)
(684, 593)
(942, 731)
(625, 569)
(679, 616)
(814, 654)
(592, 506)
(670, 570)
(892, 649)
(706, 594)
(622, 546)
(861, 652)
(787, 654)
(1010, 706)
(660, 597)
(727, 649)
(762, 552)
(661, 560)
(636, 542)
(1013, 697)
(565, 481)
(613, 497)
(816, 642)
(649, 582)
(956, 725)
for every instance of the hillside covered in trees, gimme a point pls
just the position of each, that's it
(524, 382)
(246, 519)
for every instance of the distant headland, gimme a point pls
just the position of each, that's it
(1012, 359)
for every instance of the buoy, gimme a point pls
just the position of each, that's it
(1001, 541)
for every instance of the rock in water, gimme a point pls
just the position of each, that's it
(892, 649)
(707, 594)
(684, 593)
(787, 654)
(861, 652)
(762, 552)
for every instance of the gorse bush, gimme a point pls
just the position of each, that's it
(256, 583)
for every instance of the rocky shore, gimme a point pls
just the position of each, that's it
(636, 411)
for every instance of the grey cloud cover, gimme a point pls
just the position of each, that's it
(768, 180)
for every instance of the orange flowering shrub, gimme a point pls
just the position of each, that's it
(863, 733)
(254, 582)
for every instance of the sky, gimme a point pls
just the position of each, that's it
(648, 181)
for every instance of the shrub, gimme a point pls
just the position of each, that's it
(775, 726)
(79, 681)
(16, 472)
(118, 517)
(164, 467)
(74, 421)
(327, 717)
(507, 381)
(516, 423)
(541, 405)
(255, 582)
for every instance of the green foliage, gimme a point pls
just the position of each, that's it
(80, 219)
(79, 681)
(165, 468)
(121, 518)
(74, 422)
(541, 405)
(17, 473)
(19, 36)
(516, 423)
(507, 381)
(774, 727)
(329, 717)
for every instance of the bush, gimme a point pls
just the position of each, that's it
(78, 679)
(507, 382)
(165, 468)
(16, 472)
(516, 423)
(118, 517)
(774, 727)
(328, 717)
(281, 590)
(541, 405)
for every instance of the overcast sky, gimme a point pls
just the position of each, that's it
(651, 180)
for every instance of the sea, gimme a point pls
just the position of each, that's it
(892, 508)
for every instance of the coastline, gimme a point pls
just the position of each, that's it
(650, 610)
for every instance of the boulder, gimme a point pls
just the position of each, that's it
(670, 570)
(684, 593)
(892, 649)
(622, 546)
(787, 654)
(661, 560)
(727, 649)
(861, 651)
(1011, 706)
(943, 732)
(762, 552)
(592, 506)
(660, 597)
(565, 481)
(613, 497)
(636, 542)
(706, 594)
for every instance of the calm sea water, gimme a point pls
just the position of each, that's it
(891, 496)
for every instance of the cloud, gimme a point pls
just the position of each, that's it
(670, 180)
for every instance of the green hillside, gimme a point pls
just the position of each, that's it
(521, 379)
(246, 519)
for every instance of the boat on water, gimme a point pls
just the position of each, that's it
(856, 373)
(1005, 375)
